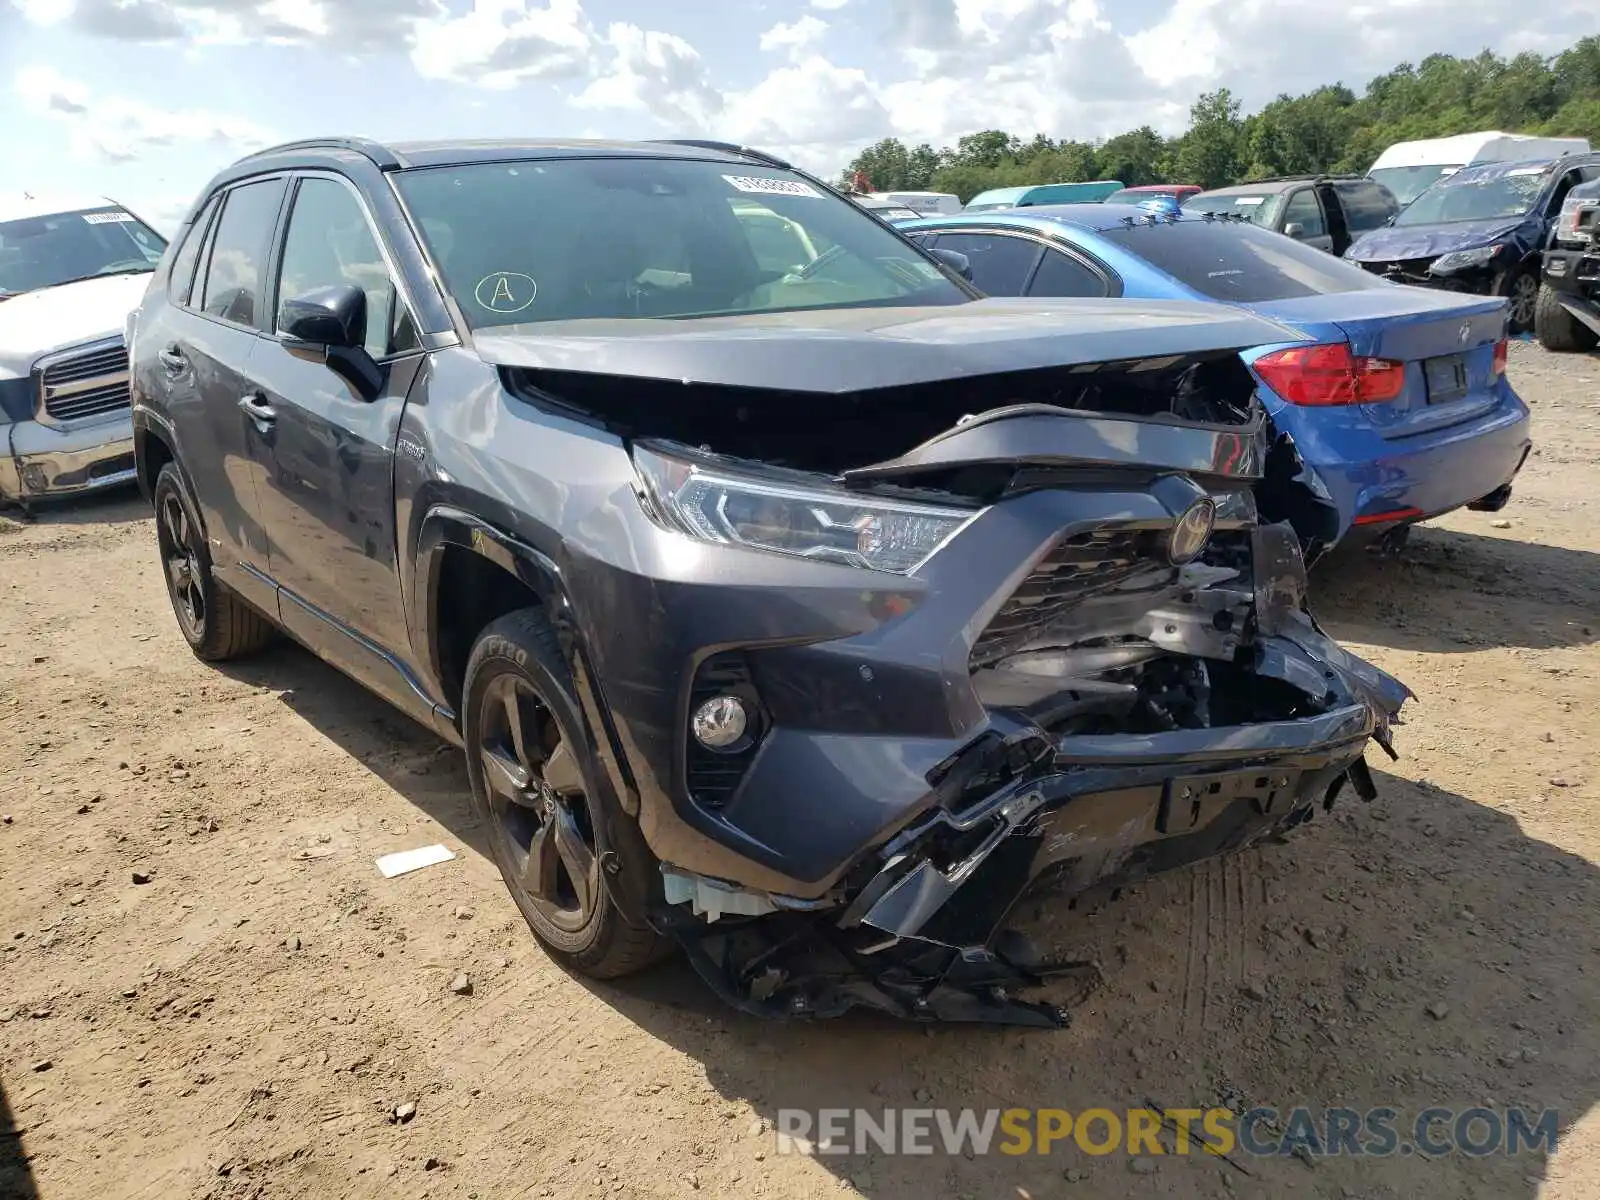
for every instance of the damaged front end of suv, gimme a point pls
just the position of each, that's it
(974, 604)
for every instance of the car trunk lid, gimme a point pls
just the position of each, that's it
(1446, 341)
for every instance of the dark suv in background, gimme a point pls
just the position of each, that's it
(1326, 211)
(792, 601)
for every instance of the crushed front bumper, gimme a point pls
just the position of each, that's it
(39, 461)
(919, 926)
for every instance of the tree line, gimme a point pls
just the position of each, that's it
(1330, 129)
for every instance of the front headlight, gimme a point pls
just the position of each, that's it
(782, 515)
(1460, 260)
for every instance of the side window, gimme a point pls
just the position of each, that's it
(233, 277)
(1062, 275)
(1000, 264)
(181, 278)
(329, 243)
(1365, 207)
(1303, 210)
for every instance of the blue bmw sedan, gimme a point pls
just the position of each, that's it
(1399, 405)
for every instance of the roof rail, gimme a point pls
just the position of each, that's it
(1312, 177)
(381, 156)
(760, 156)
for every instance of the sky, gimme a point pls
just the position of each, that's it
(142, 100)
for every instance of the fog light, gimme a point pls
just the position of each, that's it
(1192, 531)
(720, 722)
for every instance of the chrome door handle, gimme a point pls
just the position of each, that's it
(258, 408)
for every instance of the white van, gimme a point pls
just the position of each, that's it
(929, 204)
(1409, 168)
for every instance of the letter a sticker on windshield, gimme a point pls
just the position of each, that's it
(506, 292)
(761, 186)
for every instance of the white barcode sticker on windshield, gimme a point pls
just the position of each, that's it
(772, 187)
(1248, 201)
(110, 218)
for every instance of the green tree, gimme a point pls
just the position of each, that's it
(1133, 157)
(1210, 153)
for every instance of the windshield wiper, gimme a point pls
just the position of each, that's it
(146, 269)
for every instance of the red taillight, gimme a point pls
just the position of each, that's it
(1323, 375)
(1498, 367)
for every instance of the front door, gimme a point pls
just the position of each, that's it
(327, 495)
(1303, 219)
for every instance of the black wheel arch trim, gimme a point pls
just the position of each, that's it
(447, 525)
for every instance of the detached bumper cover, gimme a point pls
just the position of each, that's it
(39, 461)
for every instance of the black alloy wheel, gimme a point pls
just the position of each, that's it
(538, 808)
(180, 556)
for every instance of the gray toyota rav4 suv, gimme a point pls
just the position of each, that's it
(794, 603)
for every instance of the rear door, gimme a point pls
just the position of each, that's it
(204, 354)
(328, 491)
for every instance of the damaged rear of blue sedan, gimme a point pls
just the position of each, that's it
(803, 613)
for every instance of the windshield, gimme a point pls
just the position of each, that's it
(1407, 183)
(1237, 262)
(607, 238)
(1477, 194)
(40, 252)
(1260, 208)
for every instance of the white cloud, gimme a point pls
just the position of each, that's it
(501, 43)
(655, 73)
(829, 5)
(117, 129)
(794, 37)
(812, 111)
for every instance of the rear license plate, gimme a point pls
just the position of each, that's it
(1192, 801)
(1446, 376)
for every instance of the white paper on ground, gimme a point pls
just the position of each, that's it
(412, 860)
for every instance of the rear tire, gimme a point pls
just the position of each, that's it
(1520, 287)
(215, 622)
(536, 784)
(1558, 329)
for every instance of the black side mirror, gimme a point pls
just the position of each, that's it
(956, 261)
(331, 323)
(335, 317)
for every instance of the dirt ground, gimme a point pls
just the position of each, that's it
(243, 1023)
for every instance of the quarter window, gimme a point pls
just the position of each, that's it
(329, 242)
(1062, 275)
(233, 280)
(180, 281)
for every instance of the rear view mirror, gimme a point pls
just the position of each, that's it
(335, 317)
(956, 261)
(1294, 229)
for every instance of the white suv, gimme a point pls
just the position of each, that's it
(70, 274)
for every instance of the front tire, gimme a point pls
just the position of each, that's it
(1559, 330)
(536, 784)
(1520, 287)
(215, 622)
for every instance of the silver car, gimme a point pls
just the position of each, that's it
(69, 276)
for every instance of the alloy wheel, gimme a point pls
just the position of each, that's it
(182, 562)
(1524, 299)
(538, 808)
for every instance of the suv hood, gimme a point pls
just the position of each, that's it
(1430, 241)
(858, 349)
(36, 323)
